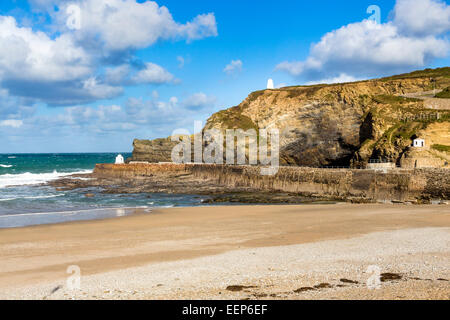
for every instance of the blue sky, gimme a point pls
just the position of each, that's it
(125, 69)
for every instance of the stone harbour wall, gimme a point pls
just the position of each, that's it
(396, 184)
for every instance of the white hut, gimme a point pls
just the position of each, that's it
(120, 159)
(419, 143)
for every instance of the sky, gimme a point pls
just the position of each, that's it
(92, 75)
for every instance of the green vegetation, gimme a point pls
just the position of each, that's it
(441, 147)
(307, 92)
(432, 73)
(444, 94)
(400, 134)
(408, 131)
(233, 119)
(255, 95)
(394, 100)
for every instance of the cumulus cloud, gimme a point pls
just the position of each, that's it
(73, 66)
(147, 73)
(126, 24)
(14, 108)
(35, 56)
(134, 114)
(101, 117)
(144, 112)
(422, 17)
(54, 71)
(366, 48)
(117, 75)
(203, 26)
(342, 78)
(199, 101)
(153, 73)
(11, 123)
(234, 67)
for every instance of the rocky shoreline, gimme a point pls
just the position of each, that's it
(209, 191)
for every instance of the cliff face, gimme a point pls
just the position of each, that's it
(334, 125)
(153, 151)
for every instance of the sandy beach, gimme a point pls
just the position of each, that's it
(236, 252)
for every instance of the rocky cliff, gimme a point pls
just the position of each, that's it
(153, 151)
(334, 125)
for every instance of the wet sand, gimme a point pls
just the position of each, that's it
(235, 252)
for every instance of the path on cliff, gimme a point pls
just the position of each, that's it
(430, 102)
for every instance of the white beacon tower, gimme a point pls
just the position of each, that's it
(120, 159)
(270, 84)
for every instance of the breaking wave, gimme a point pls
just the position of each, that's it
(27, 179)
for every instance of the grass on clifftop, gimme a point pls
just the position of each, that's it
(444, 94)
(433, 73)
(233, 119)
(393, 100)
(441, 147)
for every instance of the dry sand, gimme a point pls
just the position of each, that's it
(236, 252)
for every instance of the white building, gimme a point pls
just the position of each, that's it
(120, 159)
(270, 84)
(419, 143)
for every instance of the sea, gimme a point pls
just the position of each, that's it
(25, 201)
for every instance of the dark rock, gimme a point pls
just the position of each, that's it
(390, 277)
(304, 289)
(238, 288)
(349, 281)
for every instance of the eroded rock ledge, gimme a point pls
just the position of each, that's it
(417, 186)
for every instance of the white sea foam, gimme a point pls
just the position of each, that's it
(68, 213)
(12, 157)
(26, 179)
(5, 165)
(35, 197)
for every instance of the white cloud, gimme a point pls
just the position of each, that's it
(11, 123)
(100, 91)
(153, 73)
(74, 67)
(149, 73)
(35, 56)
(199, 101)
(422, 17)
(235, 66)
(86, 115)
(127, 24)
(342, 78)
(366, 48)
(55, 71)
(117, 75)
(14, 108)
(203, 26)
